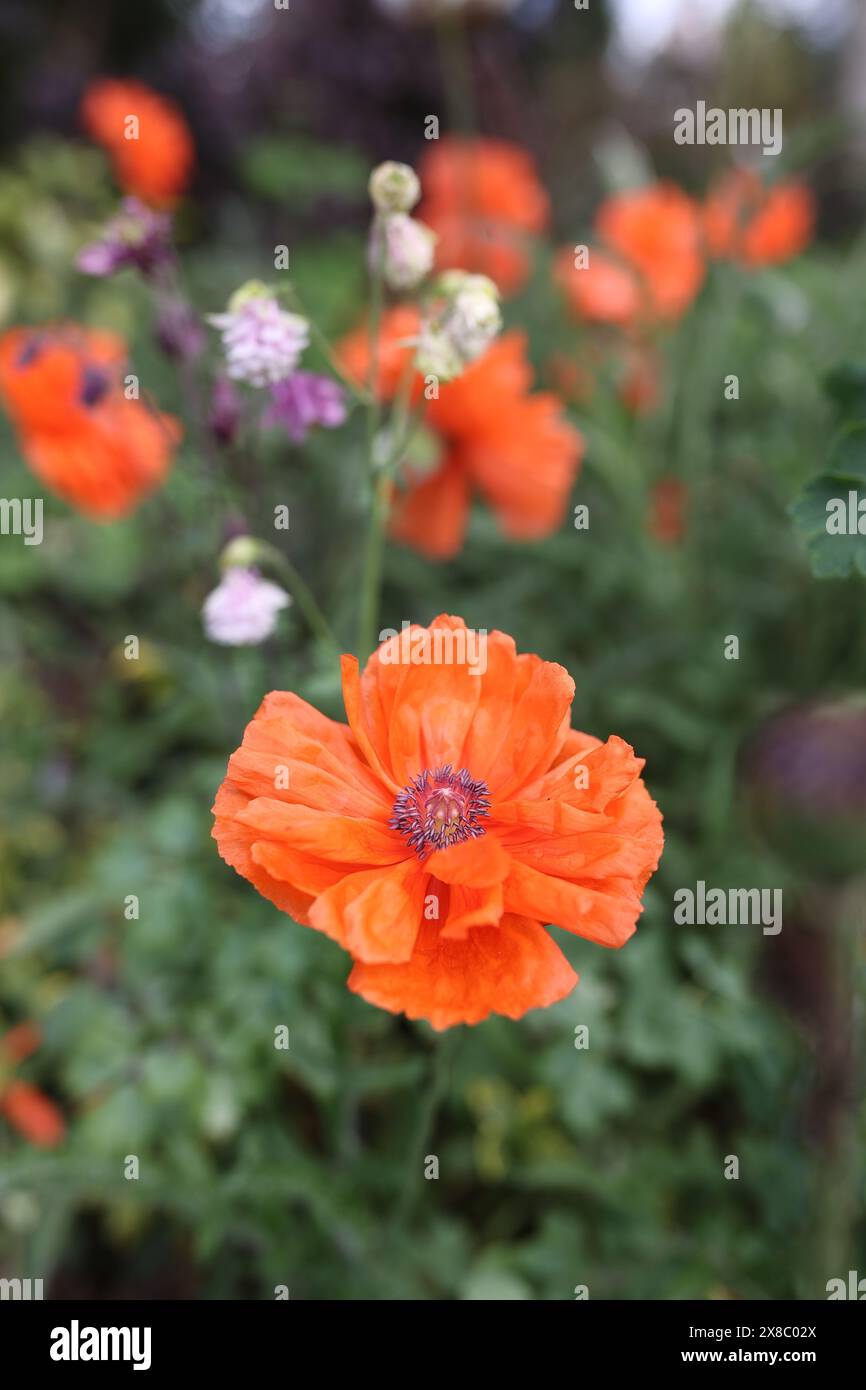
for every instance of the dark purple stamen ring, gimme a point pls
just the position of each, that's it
(439, 809)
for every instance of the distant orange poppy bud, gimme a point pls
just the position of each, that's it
(145, 135)
(32, 1114)
(667, 510)
(20, 1042)
(640, 386)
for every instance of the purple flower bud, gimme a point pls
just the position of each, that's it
(305, 399)
(136, 236)
(179, 331)
(225, 410)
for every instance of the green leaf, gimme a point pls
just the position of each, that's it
(831, 556)
(846, 387)
(302, 171)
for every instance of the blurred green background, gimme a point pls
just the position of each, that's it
(559, 1167)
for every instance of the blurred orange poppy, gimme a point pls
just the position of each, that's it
(649, 264)
(489, 434)
(746, 222)
(603, 290)
(62, 387)
(145, 135)
(484, 201)
(24, 1106)
(434, 835)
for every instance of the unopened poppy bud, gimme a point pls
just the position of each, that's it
(244, 551)
(472, 318)
(408, 250)
(437, 355)
(394, 187)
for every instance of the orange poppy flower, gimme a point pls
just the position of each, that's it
(492, 436)
(650, 264)
(603, 290)
(657, 231)
(62, 387)
(153, 154)
(24, 1106)
(484, 200)
(746, 222)
(434, 835)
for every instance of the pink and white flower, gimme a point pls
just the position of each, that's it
(262, 342)
(242, 610)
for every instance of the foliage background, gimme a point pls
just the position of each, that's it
(558, 1167)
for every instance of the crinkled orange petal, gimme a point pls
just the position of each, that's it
(376, 913)
(504, 969)
(471, 907)
(474, 863)
(323, 835)
(235, 842)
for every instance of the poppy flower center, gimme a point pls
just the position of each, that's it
(94, 385)
(439, 809)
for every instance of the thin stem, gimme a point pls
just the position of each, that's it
(377, 294)
(371, 578)
(455, 62)
(383, 473)
(303, 596)
(327, 350)
(441, 1069)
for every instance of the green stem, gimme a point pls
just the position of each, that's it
(371, 577)
(402, 427)
(303, 596)
(327, 349)
(425, 1123)
(456, 65)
